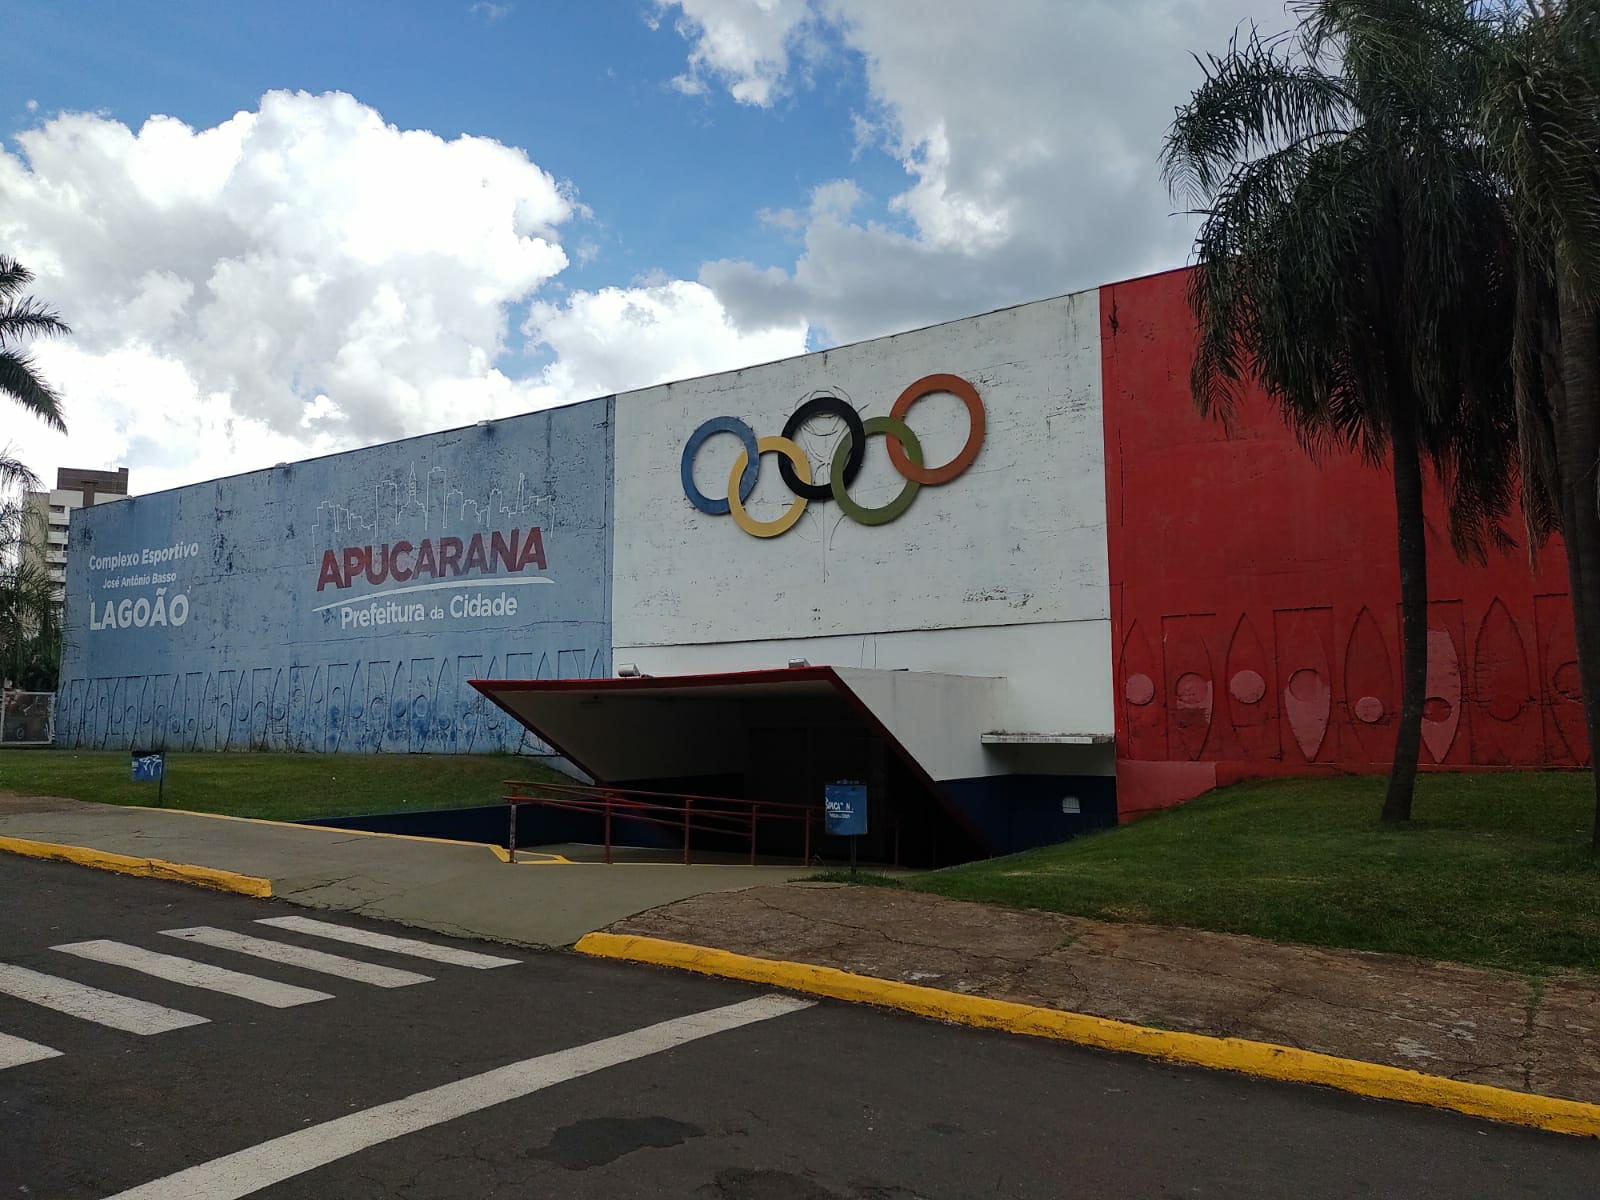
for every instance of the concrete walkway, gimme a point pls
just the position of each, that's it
(1464, 1023)
(452, 887)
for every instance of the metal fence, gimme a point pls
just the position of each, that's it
(27, 718)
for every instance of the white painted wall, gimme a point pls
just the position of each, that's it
(923, 710)
(1001, 573)
(1053, 678)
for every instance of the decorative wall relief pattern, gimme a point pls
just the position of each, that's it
(1305, 677)
(1252, 702)
(1441, 707)
(1371, 689)
(1561, 691)
(1190, 682)
(1142, 701)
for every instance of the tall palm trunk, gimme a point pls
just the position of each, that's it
(1413, 616)
(1577, 436)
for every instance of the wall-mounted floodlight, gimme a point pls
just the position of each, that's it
(798, 662)
(629, 671)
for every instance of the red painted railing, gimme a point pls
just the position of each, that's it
(680, 813)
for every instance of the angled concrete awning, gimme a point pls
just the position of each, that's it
(758, 730)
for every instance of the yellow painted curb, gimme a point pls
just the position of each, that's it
(152, 868)
(1261, 1059)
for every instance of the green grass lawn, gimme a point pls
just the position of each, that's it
(285, 787)
(1495, 870)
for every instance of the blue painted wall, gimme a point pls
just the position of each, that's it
(212, 617)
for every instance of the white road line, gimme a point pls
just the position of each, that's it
(91, 1004)
(15, 1051)
(195, 974)
(247, 1171)
(299, 956)
(384, 941)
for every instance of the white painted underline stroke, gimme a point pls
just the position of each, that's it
(248, 1171)
(486, 582)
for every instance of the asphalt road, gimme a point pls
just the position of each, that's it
(562, 1076)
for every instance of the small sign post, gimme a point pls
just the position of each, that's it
(844, 812)
(148, 766)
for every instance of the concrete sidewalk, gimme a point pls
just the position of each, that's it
(1463, 1023)
(455, 888)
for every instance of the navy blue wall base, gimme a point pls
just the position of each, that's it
(1018, 812)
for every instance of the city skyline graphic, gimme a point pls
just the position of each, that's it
(430, 503)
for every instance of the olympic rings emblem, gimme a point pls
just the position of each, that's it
(905, 452)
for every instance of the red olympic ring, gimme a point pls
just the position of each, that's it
(968, 395)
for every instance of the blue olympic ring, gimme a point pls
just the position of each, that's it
(747, 481)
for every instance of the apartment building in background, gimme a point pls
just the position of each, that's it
(76, 487)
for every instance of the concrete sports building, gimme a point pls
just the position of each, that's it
(997, 567)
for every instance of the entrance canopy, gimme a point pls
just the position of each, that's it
(777, 735)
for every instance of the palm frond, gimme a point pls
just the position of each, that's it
(13, 276)
(28, 318)
(20, 380)
(1254, 100)
(1355, 254)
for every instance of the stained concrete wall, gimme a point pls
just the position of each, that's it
(999, 573)
(343, 603)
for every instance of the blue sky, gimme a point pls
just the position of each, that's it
(672, 179)
(476, 209)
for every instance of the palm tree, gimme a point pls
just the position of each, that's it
(1536, 73)
(22, 317)
(1354, 259)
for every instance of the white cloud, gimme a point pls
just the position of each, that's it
(306, 278)
(1028, 131)
(491, 13)
(616, 339)
(742, 43)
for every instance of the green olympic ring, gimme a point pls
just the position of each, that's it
(884, 513)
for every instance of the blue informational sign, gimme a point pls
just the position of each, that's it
(844, 809)
(149, 768)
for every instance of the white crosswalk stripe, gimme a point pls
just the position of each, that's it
(127, 1014)
(91, 1004)
(15, 1051)
(299, 956)
(384, 941)
(194, 974)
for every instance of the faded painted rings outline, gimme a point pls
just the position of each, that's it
(905, 453)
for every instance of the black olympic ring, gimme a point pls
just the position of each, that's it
(815, 407)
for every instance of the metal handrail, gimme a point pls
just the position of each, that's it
(597, 789)
(684, 815)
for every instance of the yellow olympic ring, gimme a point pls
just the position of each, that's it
(768, 529)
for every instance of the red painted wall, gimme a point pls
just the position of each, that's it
(1255, 596)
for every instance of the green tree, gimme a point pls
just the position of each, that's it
(1354, 259)
(30, 619)
(21, 318)
(1536, 74)
(1529, 75)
